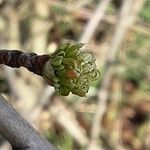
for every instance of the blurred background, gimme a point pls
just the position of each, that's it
(115, 114)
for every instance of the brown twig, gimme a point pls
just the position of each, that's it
(31, 61)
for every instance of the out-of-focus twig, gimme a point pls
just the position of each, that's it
(126, 19)
(18, 131)
(94, 21)
(83, 13)
(138, 27)
(65, 117)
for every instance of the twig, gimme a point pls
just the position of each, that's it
(124, 22)
(94, 21)
(84, 13)
(18, 131)
(138, 27)
(31, 61)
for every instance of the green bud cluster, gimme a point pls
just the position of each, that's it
(71, 70)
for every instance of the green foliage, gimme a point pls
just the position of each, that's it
(111, 9)
(58, 10)
(64, 143)
(145, 13)
(138, 61)
(73, 70)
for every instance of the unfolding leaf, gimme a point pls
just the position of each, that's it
(57, 60)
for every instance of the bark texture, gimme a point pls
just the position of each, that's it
(20, 134)
(31, 61)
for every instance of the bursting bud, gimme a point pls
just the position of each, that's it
(71, 70)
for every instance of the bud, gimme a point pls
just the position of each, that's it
(71, 70)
